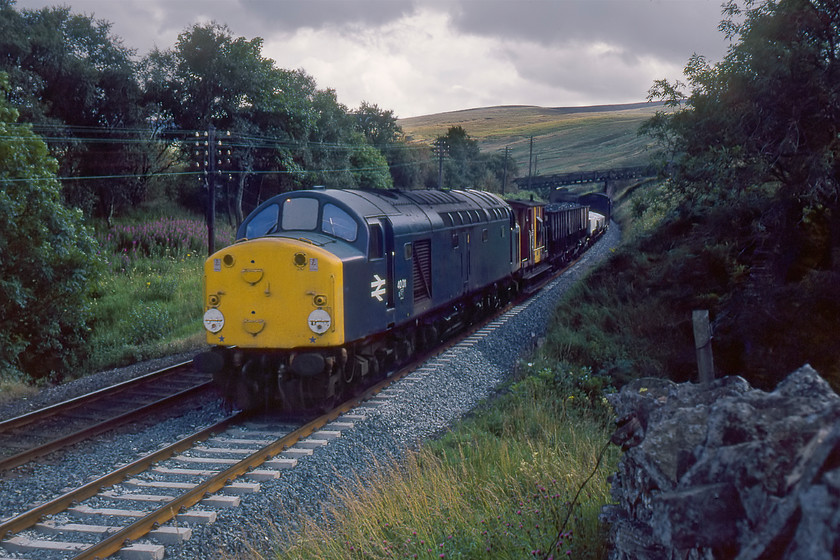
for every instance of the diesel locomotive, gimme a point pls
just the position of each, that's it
(325, 289)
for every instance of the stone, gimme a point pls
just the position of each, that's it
(726, 470)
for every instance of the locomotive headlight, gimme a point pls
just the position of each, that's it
(213, 320)
(213, 300)
(319, 321)
(320, 301)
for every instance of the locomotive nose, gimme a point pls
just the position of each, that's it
(276, 293)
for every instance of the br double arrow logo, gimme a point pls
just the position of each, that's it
(377, 287)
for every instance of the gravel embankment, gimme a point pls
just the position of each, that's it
(452, 384)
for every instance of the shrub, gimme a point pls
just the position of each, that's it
(48, 256)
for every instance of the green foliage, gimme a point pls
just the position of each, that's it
(146, 323)
(747, 221)
(370, 168)
(632, 317)
(767, 113)
(277, 130)
(48, 257)
(578, 389)
(379, 126)
(76, 82)
(148, 307)
(462, 163)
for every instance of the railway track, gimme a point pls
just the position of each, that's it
(167, 490)
(139, 509)
(211, 468)
(29, 436)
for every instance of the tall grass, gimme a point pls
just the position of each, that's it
(149, 303)
(502, 484)
(159, 239)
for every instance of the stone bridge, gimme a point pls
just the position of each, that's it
(547, 183)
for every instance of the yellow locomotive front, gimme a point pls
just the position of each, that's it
(273, 306)
(273, 292)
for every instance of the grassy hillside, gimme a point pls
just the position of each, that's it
(565, 139)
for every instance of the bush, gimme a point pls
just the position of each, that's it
(48, 256)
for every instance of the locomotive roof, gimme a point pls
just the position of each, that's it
(391, 202)
(406, 211)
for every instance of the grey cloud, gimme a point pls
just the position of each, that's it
(288, 15)
(540, 50)
(142, 23)
(669, 29)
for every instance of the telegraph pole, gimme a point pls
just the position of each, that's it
(206, 159)
(530, 161)
(211, 189)
(504, 176)
(209, 159)
(440, 147)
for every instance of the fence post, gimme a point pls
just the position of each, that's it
(703, 345)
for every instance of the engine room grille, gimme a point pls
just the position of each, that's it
(422, 270)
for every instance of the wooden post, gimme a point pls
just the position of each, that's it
(703, 345)
(211, 189)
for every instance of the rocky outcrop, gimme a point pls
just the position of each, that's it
(727, 471)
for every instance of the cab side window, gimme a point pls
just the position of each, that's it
(376, 246)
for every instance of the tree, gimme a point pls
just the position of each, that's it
(76, 83)
(752, 155)
(464, 164)
(765, 119)
(285, 133)
(211, 77)
(370, 168)
(379, 126)
(408, 165)
(48, 256)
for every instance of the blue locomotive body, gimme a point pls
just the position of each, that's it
(325, 288)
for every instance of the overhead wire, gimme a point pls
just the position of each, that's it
(192, 140)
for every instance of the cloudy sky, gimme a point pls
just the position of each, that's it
(419, 57)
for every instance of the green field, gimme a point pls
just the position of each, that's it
(566, 139)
